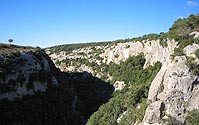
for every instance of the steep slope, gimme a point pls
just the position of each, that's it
(173, 92)
(94, 58)
(155, 79)
(34, 91)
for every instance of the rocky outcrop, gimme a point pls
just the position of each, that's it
(195, 33)
(152, 50)
(31, 84)
(154, 112)
(116, 53)
(176, 87)
(119, 85)
(24, 73)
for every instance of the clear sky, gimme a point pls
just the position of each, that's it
(46, 23)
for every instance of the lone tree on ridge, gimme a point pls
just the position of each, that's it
(10, 40)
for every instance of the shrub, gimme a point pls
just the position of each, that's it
(193, 67)
(196, 40)
(137, 82)
(197, 53)
(163, 43)
(171, 121)
(177, 52)
(116, 56)
(192, 117)
(127, 46)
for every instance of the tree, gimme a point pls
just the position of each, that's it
(10, 41)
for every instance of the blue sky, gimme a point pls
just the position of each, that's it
(46, 23)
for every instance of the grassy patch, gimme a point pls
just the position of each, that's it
(8, 49)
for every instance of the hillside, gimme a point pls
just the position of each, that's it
(156, 72)
(151, 79)
(34, 91)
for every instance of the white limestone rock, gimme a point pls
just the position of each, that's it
(18, 79)
(119, 85)
(154, 112)
(176, 86)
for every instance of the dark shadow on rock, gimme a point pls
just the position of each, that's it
(74, 98)
(91, 92)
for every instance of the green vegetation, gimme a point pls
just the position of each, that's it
(80, 94)
(51, 107)
(131, 70)
(70, 47)
(10, 41)
(177, 52)
(134, 114)
(183, 27)
(192, 65)
(179, 31)
(197, 53)
(7, 49)
(163, 43)
(135, 92)
(171, 121)
(137, 79)
(192, 117)
(72, 102)
(196, 40)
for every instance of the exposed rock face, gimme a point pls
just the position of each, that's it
(196, 34)
(116, 53)
(152, 50)
(24, 74)
(119, 85)
(175, 86)
(154, 112)
(120, 117)
(31, 84)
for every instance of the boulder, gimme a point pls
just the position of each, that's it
(119, 85)
(154, 112)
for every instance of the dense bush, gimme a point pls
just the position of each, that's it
(183, 27)
(177, 52)
(197, 53)
(137, 82)
(131, 70)
(192, 117)
(163, 43)
(192, 65)
(51, 107)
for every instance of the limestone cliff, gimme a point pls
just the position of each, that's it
(87, 58)
(24, 73)
(173, 92)
(175, 87)
(34, 91)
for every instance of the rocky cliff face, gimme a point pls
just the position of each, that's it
(31, 84)
(173, 92)
(24, 73)
(32, 75)
(152, 50)
(175, 87)
(98, 56)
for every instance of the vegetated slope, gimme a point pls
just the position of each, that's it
(131, 65)
(34, 91)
